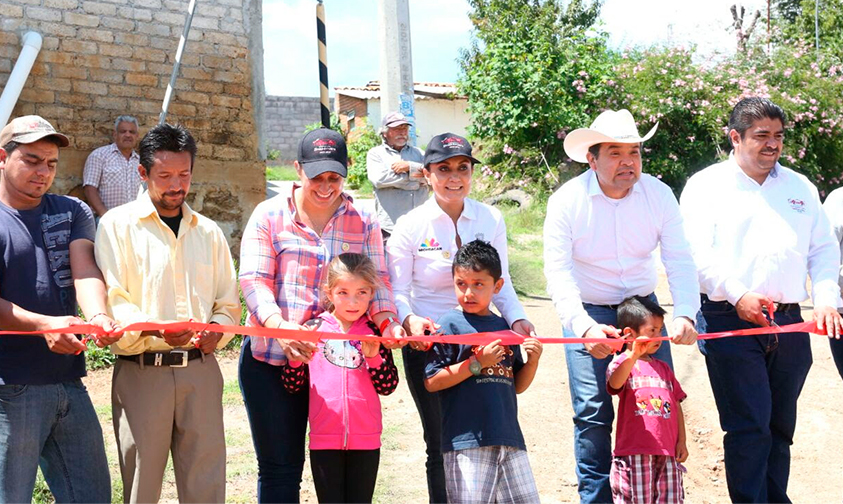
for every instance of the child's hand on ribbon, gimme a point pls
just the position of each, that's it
(370, 348)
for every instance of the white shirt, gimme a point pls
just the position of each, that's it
(833, 207)
(600, 250)
(764, 238)
(421, 250)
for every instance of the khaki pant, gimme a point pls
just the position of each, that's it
(159, 409)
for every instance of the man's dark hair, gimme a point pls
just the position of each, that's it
(636, 311)
(165, 137)
(13, 146)
(749, 110)
(478, 256)
(10, 148)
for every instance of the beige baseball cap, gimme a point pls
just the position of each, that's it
(29, 129)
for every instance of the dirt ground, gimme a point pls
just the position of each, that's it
(545, 416)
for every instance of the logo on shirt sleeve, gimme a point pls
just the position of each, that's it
(429, 245)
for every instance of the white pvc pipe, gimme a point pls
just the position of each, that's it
(31, 47)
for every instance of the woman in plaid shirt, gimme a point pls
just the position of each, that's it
(285, 250)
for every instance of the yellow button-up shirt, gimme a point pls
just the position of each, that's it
(152, 274)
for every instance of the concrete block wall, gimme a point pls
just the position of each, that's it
(100, 59)
(286, 119)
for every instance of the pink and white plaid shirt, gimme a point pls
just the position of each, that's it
(283, 264)
(115, 177)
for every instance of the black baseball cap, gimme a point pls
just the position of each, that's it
(323, 150)
(446, 146)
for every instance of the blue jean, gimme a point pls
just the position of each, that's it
(756, 382)
(593, 410)
(54, 426)
(278, 421)
(430, 413)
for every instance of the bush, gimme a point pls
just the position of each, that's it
(335, 125)
(98, 358)
(361, 140)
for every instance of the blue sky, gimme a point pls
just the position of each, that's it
(440, 28)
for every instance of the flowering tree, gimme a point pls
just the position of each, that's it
(530, 78)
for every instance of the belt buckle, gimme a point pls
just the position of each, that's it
(183, 358)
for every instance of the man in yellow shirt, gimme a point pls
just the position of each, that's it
(164, 262)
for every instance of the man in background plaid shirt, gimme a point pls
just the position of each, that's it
(111, 172)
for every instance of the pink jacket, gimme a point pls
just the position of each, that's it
(345, 410)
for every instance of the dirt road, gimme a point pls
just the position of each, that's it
(545, 416)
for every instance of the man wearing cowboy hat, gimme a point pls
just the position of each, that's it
(395, 170)
(758, 231)
(600, 237)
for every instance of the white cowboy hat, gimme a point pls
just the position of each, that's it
(609, 127)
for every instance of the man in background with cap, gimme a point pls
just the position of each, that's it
(163, 262)
(395, 170)
(758, 231)
(47, 266)
(600, 237)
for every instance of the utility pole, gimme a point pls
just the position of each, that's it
(817, 26)
(396, 61)
(324, 103)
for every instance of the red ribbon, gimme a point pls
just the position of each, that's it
(506, 337)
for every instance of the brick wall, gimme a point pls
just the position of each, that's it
(286, 119)
(100, 59)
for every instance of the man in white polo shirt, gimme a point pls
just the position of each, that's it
(757, 231)
(600, 236)
(111, 172)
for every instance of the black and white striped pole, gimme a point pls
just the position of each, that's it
(323, 66)
(179, 53)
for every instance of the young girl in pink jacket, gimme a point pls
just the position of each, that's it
(345, 378)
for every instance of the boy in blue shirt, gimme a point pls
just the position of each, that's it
(484, 451)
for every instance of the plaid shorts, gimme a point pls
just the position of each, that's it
(647, 479)
(489, 474)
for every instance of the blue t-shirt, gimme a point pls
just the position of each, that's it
(482, 410)
(35, 275)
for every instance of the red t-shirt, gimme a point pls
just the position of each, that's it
(646, 423)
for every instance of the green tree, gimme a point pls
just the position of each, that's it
(796, 22)
(534, 68)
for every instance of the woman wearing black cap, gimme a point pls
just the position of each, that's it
(421, 252)
(285, 250)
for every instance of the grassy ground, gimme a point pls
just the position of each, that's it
(281, 172)
(524, 233)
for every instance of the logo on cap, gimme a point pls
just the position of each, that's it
(452, 143)
(324, 147)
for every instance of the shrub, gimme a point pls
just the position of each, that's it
(361, 140)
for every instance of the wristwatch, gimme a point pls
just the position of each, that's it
(385, 323)
(474, 365)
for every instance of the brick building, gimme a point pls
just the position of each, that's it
(438, 108)
(100, 59)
